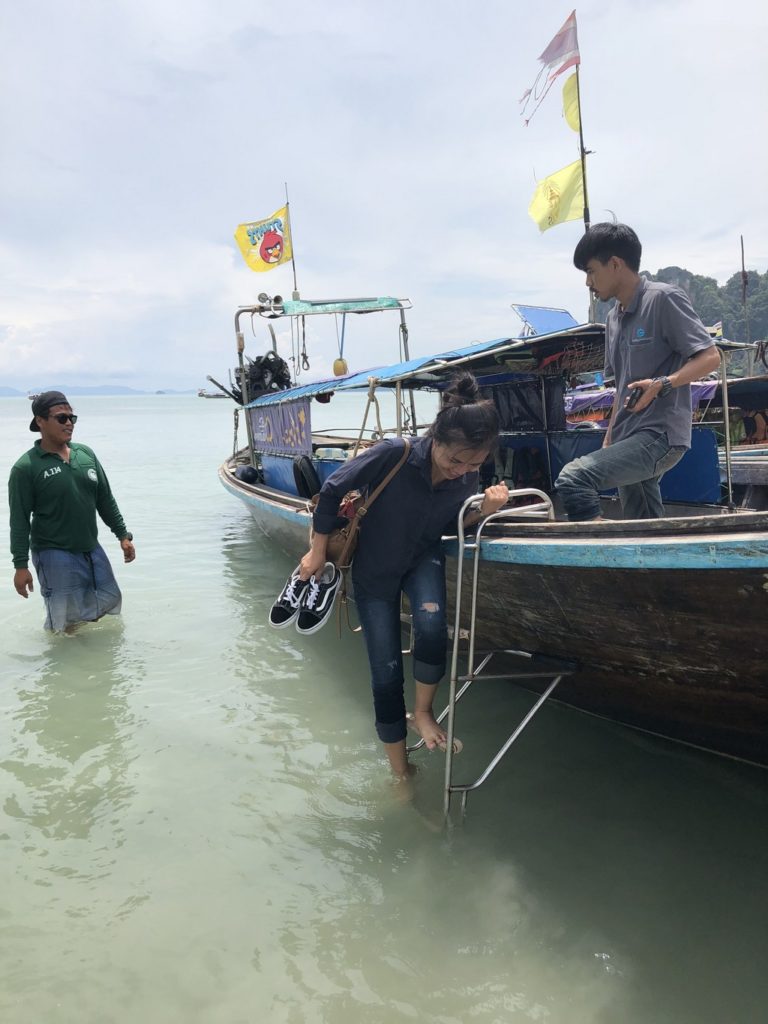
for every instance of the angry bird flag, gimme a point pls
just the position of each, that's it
(265, 244)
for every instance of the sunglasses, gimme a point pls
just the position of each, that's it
(62, 417)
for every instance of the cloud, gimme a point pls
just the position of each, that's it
(142, 134)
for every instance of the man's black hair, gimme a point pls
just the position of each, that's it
(603, 241)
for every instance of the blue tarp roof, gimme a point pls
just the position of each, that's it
(390, 374)
(382, 374)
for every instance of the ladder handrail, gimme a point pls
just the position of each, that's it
(504, 513)
(543, 507)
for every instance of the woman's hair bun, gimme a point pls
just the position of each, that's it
(463, 390)
(465, 418)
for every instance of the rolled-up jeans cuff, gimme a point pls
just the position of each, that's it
(391, 732)
(425, 673)
(583, 512)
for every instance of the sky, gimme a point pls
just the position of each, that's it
(136, 136)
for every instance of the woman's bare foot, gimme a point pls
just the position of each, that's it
(435, 738)
(424, 723)
(403, 784)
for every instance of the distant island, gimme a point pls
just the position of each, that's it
(713, 302)
(97, 389)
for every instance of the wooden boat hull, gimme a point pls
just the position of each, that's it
(667, 624)
(677, 652)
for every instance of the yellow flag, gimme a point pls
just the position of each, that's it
(558, 198)
(265, 244)
(571, 102)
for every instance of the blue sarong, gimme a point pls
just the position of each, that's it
(76, 587)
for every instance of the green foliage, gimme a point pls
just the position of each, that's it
(714, 302)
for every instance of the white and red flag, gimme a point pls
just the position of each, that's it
(561, 53)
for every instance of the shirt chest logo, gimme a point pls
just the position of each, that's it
(92, 475)
(51, 472)
(639, 336)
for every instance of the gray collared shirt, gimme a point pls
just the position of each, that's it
(407, 519)
(654, 336)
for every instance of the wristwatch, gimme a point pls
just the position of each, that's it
(128, 536)
(666, 386)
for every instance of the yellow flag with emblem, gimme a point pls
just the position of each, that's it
(559, 198)
(265, 244)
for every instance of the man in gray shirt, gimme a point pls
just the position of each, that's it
(655, 345)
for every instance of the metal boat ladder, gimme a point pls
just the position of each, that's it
(528, 664)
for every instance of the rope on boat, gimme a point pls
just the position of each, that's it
(304, 356)
(372, 401)
(299, 356)
(235, 448)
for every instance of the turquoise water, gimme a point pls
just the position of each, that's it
(196, 825)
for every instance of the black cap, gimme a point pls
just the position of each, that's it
(43, 402)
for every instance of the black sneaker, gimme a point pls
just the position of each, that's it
(285, 610)
(317, 600)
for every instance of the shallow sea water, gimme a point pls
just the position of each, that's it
(196, 825)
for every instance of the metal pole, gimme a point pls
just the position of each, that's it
(493, 764)
(727, 419)
(583, 154)
(744, 285)
(455, 655)
(290, 235)
(546, 430)
(404, 339)
(244, 382)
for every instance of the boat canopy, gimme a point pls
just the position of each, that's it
(278, 307)
(576, 350)
(746, 393)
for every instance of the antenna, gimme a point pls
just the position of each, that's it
(744, 286)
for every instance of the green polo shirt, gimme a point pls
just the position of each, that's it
(62, 499)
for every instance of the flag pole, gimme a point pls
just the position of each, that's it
(290, 234)
(583, 153)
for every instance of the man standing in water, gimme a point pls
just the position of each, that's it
(655, 345)
(61, 486)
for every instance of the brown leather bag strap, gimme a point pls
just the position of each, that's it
(393, 472)
(354, 523)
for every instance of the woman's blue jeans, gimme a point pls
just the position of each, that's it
(382, 630)
(634, 465)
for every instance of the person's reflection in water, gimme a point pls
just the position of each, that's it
(68, 751)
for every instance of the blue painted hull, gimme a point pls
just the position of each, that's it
(667, 620)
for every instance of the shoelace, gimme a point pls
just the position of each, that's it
(314, 592)
(290, 593)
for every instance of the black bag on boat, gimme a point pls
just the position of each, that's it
(265, 373)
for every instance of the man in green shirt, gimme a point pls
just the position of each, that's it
(60, 486)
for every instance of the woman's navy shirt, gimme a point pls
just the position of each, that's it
(406, 520)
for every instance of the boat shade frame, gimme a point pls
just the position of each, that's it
(316, 307)
(574, 351)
